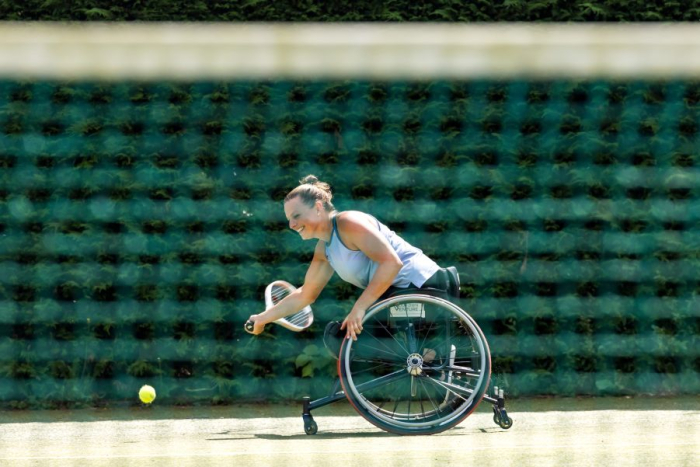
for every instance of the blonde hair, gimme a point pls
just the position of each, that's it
(311, 190)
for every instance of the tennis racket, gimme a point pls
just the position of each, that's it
(275, 292)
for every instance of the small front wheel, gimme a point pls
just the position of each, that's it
(310, 427)
(506, 423)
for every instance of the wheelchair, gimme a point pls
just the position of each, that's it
(420, 366)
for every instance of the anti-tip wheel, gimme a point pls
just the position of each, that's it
(310, 428)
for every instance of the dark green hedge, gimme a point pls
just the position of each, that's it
(139, 224)
(359, 10)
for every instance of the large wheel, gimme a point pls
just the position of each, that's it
(420, 366)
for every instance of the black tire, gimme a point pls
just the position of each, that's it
(310, 428)
(436, 340)
(506, 423)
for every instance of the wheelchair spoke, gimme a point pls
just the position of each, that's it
(422, 344)
(380, 364)
(392, 336)
(396, 406)
(411, 337)
(430, 399)
(453, 388)
(374, 360)
(389, 350)
(450, 341)
(393, 354)
(382, 381)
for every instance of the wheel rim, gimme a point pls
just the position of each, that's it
(410, 350)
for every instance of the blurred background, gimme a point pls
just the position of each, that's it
(552, 160)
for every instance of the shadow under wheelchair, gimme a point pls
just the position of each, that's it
(368, 433)
(374, 433)
(331, 434)
(346, 434)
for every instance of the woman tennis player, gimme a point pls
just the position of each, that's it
(362, 250)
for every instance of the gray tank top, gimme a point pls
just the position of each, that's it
(355, 267)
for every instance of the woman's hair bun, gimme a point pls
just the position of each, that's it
(310, 190)
(309, 179)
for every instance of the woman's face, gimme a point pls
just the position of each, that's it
(303, 219)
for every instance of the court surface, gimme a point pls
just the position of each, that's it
(546, 432)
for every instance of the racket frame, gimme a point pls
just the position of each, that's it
(296, 322)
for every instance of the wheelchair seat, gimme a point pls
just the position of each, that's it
(451, 291)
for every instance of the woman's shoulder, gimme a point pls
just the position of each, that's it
(353, 217)
(354, 226)
(355, 223)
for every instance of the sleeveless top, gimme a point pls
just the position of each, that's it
(355, 267)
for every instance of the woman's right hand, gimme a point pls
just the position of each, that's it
(258, 325)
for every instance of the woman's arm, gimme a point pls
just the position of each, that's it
(317, 276)
(359, 232)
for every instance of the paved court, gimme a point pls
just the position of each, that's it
(550, 432)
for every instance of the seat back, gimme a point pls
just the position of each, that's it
(453, 281)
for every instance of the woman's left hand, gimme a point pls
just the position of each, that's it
(353, 323)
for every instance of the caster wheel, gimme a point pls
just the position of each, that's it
(496, 419)
(506, 423)
(310, 428)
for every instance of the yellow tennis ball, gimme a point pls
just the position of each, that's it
(147, 394)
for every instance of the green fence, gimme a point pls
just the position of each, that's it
(140, 223)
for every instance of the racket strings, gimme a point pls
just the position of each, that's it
(300, 320)
(278, 293)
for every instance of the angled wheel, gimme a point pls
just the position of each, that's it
(420, 366)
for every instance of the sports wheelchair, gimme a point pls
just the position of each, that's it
(420, 366)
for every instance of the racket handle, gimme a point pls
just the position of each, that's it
(249, 326)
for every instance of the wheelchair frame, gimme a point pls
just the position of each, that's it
(419, 372)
